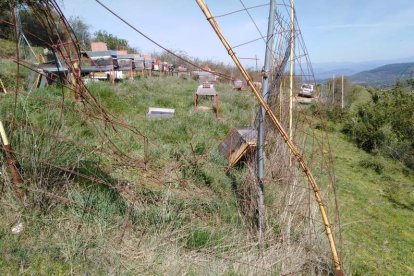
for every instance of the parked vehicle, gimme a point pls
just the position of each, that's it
(306, 90)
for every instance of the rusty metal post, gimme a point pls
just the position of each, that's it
(76, 79)
(11, 163)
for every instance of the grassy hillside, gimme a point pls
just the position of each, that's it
(377, 204)
(385, 75)
(184, 217)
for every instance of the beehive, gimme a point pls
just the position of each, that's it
(206, 89)
(238, 144)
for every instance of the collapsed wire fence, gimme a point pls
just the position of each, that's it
(50, 160)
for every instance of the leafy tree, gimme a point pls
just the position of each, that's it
(81, 31)
(40, 25)
(113, 42)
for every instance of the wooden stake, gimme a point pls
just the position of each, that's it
(11, 163)
(2, 87)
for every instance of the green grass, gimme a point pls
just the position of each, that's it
(377, 206)
(183, 216)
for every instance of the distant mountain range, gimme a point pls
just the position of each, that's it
(374, 73)
(385, 75)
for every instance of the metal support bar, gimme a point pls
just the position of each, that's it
(261, 129)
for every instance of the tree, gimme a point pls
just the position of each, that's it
(81, 31)
(113, 42)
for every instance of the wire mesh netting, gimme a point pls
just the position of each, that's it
(70, 146)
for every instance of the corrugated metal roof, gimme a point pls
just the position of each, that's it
(101, 53)
(127, 56)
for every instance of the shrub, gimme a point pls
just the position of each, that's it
(385, 125)
(371, 163)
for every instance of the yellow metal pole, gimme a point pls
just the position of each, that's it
(288, 141)
(292, 63)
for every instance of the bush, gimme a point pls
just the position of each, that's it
(385, 125)
(371, 163)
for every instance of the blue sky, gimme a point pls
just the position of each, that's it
(334, 31)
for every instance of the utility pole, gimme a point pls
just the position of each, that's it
(342, 93)
(333, 90)
(261, 128)
(255, 57)
(292, 64)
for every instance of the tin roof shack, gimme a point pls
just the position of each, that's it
(50, 69)
(239, 144)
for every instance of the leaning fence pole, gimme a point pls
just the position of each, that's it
(11, 163)
(292, 67)
(295, 152)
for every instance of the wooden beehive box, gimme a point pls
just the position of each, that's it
(239, 143)
(206, 89)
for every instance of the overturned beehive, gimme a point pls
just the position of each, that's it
(238, 144)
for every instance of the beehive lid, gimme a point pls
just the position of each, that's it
(158, 112)
(206, 90)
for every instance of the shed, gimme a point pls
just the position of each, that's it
(239, 143)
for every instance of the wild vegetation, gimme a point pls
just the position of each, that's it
(373, 148)
(385, 125)
(187, 213)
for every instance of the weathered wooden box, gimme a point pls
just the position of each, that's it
(206, 89)
(239, 143)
